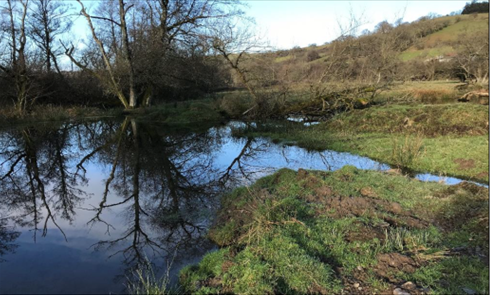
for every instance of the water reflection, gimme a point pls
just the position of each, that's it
(108, 196)
(7, 239)
(153, 199)
(157, 181)
(36, 177)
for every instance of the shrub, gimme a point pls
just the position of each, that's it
(312, 55)
(234, 104)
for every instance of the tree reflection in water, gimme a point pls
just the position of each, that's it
(7, 239)
(160, 183)
(36, 177)
(166, 185)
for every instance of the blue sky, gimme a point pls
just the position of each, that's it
(299, 23)
(285, 24)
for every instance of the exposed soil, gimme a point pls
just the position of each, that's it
(367, 205)
(355, 284)
(365, 233)
(482, 175)
(227, 264)
(323, 191)
(316, 289)
(309, 180)
(464, 164)
(368, 192)
(390, 263)
(390, 212)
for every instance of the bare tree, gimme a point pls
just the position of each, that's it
(473, 57)
(16, 64)
(48, 20)
(240, 46)
(336, 66)
(234, 44)
(356, 69)
(143, 37)
(112, 82)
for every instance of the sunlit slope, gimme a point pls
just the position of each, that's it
(442, 42)
(435, 44)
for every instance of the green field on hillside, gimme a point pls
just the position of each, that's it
(436, 44)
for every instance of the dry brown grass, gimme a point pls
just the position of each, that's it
(434, 95)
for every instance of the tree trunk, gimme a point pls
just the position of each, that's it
(48, 42)
(147, 96)
(18, 57)
(114, 85)
(133, 101)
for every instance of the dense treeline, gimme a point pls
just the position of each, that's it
(475, 7)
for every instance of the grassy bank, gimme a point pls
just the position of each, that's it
(177, 113)
(185, 113)
(446, 139)
(349, 231)
(50, 113)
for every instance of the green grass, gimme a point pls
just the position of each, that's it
(410, 54)
(455, 273)
(435, 44)
(318, 232)
(467, 24)
(453, 138)
(284, 58)
(424, 92)
(184, 113)
(144, 282)
(52, 113)
(428, 120)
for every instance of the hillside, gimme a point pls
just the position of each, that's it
(398, 52)
(441, 42)
(434, 44)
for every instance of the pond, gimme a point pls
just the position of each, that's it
(82, 204)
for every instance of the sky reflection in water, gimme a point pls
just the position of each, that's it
(82, 204)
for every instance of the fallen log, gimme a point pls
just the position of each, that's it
(473, 95)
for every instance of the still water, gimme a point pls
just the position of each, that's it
(84, 203)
